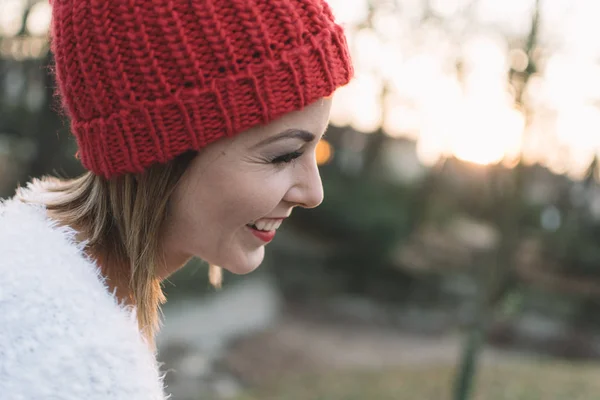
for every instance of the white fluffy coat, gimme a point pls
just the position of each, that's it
(63, 335)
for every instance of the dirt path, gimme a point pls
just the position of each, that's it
(297, 344)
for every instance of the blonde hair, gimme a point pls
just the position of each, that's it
(122, 220)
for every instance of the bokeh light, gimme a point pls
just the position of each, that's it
(324, 152)
(38, 20)
(11, 17)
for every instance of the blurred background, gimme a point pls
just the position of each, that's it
(456, 253)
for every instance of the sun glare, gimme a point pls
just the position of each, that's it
(489, 134)
(472, 115)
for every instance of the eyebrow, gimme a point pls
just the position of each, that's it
(301, 134)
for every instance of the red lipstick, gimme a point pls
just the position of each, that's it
(265, 236)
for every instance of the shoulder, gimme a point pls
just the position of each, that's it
(40, 257)
(62, 334)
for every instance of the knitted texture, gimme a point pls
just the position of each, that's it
(146, 80)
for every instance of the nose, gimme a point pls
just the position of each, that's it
(308, 190)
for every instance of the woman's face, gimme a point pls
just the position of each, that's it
(238, 190)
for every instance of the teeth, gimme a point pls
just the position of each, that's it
(267, 225)
(262, 225)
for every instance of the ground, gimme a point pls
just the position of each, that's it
(245, 344)
(306, 358)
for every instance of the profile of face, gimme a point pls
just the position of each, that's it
(239, 190)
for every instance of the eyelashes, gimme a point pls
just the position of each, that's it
(287, 158)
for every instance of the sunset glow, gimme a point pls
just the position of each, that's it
(473, 116)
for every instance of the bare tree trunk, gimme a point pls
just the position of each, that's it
(494, 285)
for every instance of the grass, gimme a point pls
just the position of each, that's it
(518, 380)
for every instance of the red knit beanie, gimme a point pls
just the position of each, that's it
(146, 80)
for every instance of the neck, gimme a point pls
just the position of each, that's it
(118, 276)
(173, 259)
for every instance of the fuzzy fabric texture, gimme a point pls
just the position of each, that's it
(63, 335)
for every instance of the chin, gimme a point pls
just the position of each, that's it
(244, 264)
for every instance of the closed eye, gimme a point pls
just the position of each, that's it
(287, 158)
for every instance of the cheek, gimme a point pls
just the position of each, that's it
(251, 198)
(215, 207)
(256, 194)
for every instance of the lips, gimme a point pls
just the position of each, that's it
(265, 228)
(265, 236)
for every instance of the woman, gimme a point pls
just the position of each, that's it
(198, 122)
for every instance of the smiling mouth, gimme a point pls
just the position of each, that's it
(266, 225)
(265, 229)
(265, 236)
